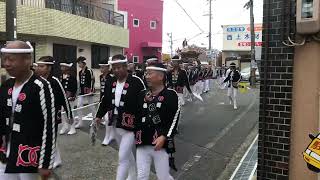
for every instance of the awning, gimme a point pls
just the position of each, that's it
(151, 45)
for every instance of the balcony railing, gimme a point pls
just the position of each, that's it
(79, 8)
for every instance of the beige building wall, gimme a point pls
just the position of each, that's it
(115, 50)
(2, 17)
(305, 112)
(54, 23)
(224, 56)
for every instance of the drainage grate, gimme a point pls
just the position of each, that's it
(248, 163)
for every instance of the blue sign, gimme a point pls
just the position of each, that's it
(236, 29)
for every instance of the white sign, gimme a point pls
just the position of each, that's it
(238, 37)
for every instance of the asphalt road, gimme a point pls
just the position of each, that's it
(210, 134)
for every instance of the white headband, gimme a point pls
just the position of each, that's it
(156, 69)
(104, 64)
(119, 61)
(176, 59)
(47, 63)
(18, 51)
(152, 59)
(66, 64)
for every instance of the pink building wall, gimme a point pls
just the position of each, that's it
(145, 11)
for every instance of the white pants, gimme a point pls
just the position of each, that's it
(206, 85)
(145, 156)
(181, 99)
(201, 87)
(194, 88)
(80, 103)
(232, 94)
(198, 87)
(185, 92)
(16, 176)
(110, 131)
(64, 119)
(127, 165)
(57, 156)
(189, 95)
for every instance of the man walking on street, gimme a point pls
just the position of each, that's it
(87, 81)
(105, 76)
(233, 78)
(156, 124)
(70, 86)
(178, 79)
(120, 101)
(45, 69)
(27, 107)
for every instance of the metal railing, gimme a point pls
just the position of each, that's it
(79, 8)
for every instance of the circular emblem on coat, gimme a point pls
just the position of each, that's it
(114, 84)
(10, 92)
(156, 119)
(126, 85)
(152, 107)
(22, 96)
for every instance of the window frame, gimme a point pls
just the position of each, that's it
(96, 52)
(155, 24)
(133, 59)
(134, 25)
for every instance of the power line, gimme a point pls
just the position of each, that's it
(194, 36)
(194, 22)
(176, 41)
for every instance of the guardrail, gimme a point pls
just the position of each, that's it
(79, 8)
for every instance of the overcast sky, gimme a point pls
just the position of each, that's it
(224, 12)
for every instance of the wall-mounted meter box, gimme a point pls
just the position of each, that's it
(308, 16)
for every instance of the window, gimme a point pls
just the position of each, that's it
(136, 22)
(135, 59)
(153, 25)
(98, 54)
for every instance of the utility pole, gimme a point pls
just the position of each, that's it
(210, 18)
(171, 43)
(253, 65)
(11, 20)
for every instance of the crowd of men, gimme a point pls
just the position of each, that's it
(140, 107)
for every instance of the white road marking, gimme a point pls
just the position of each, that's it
(211, 144)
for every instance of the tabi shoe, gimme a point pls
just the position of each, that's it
(64, 129)
(72, 130)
